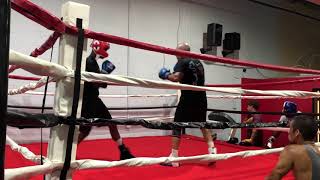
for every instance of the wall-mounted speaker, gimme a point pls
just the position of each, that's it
(231, 41)
(214, 34)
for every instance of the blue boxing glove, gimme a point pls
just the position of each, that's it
(107, 67)
(164, 73)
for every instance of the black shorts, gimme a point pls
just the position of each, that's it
(95, 108)
(191, 113)
(187, 112)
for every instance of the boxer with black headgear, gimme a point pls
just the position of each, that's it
(290, 108)
(92, 105)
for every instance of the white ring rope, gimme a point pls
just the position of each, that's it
(44, 68)
(130, 81)
(163, 118)
(25, 152)
(174, 95)
(143, 161)
(30, 86)
(150, 118)
(111, 95)
(48, 167)
(37, 66)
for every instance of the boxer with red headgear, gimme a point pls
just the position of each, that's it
(290, 108)
(92, 105)
(100, 48)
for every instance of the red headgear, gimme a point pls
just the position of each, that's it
(100, 48)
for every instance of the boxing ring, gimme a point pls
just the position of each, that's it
(60, 162)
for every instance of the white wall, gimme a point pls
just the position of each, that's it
(267, 36)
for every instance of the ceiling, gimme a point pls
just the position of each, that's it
(310, 8)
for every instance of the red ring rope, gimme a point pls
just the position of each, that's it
(50, 21)
(247, 85)
(24, 78)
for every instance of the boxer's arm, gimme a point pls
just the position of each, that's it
(175, 77)
(285, 163)
(92, 66)
(250, 120)
(101, 85)
(178, 71)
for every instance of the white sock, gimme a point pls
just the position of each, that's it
(212, 150)
(272, 138)
(174, 153)
(231, 136)
(119, 142)
(232, 133)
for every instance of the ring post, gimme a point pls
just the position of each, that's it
(4, 63)
(64, 95)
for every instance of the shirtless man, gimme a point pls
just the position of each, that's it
(301, 156)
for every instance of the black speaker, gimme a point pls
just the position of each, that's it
(205, 41)
(231, 41)
(214, 34)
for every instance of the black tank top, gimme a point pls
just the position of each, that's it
(315, 160)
